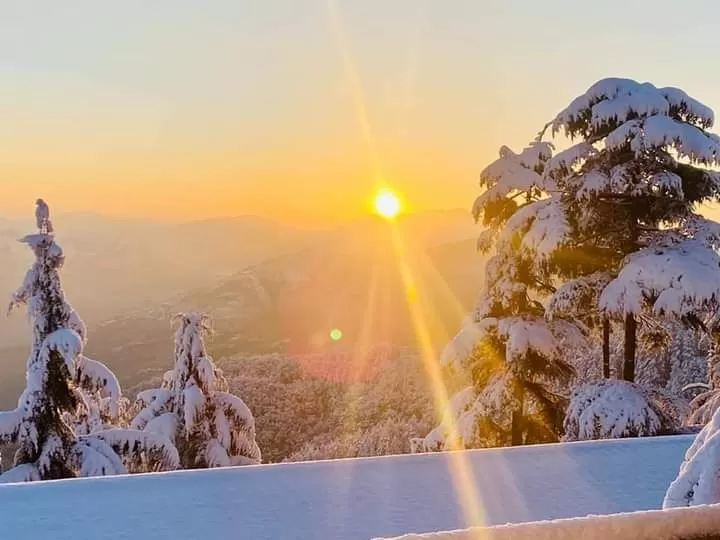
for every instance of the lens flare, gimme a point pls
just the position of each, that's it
(336, 334)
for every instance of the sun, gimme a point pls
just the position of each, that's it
(387, 204)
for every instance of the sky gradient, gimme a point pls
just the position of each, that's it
(292, 109)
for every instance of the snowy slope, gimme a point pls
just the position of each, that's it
(348, 499)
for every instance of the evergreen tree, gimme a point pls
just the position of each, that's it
(629, 188)
(518, 362)
(210, 427)
(59, 381)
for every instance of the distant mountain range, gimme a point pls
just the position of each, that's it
(269, 288)
(113, 266)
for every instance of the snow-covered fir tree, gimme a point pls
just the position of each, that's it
(209, 426)
(52, 424)
(517, 364)
(607, 229)
(629, 189)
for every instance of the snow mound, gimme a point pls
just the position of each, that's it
(611, 408)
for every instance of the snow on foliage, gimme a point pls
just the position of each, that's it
(697, 482)
(96, 377)
(514, 363)
(523, 335)
(541, 226)
(565, 161)
(630, 187)
(94, 457)
(509, 176)
(703, 407)
(140, 450)
(676, 279)
(577, 298)
(620, 100)
(611, 409)
(68, 396)
(210, 427)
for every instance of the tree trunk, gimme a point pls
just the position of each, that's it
(630, 346)
(606, 348)
(516, 433)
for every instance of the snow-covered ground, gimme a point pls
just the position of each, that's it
(699, 522)
(348, 499)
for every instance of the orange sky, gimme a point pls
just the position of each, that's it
(183, 110)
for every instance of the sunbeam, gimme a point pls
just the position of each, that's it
(459, 466)
(460, 470)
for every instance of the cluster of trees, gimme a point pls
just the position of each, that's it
(302, 416)
(602, 291)
(72, 420)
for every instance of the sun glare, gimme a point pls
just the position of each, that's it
(387, 204)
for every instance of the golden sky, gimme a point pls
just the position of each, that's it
(183, 110)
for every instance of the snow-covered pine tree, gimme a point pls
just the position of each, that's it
(629, 188)
(59, 381)
(518, 361)
(210, 426)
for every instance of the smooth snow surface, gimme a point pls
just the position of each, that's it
(354, 499)
(654, 525)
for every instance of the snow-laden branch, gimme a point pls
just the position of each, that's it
(94, 376)
(542, 227)
(677, 279)
(134, 446)
(619, 100)
(512, 173)
(577, 297)
(93, 456)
